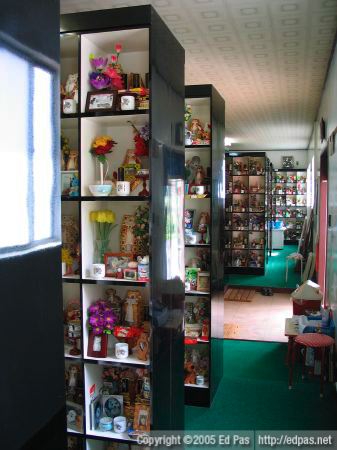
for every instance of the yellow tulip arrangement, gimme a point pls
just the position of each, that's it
(104, 222)
(66, 258)
(103, 216)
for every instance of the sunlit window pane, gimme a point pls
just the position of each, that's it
(14, 94)
(43, 171)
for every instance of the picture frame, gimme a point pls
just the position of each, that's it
(69, 183)
(112, 405)
(130, 274)
(141, 421)
(114, 261)
(130, 174)
(95, 412)
(203, 282)
(74, 413)
(97, 345)
(288, 162)
(101, 101)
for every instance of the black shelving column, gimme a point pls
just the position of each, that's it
(204, 318)
(143, 36)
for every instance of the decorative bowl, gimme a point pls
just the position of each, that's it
(100, 190)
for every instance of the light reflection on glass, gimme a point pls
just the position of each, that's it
(175, 247)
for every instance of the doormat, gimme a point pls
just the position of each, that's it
(231, 330)
(239, 295)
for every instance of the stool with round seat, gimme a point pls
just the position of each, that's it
(317, 341)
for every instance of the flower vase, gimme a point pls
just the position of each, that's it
(97, 345)
(101, 247)
(102, 188)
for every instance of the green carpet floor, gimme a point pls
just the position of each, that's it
(254, 394)
(274, 274)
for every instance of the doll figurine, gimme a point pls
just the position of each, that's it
(200, 176)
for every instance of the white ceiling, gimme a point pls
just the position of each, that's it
(267, 58)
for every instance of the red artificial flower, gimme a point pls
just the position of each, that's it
(113, 58)
(118, 48)
(141, 146)
(116, 79)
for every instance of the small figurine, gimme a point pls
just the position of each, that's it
(196, 128)
(203, 224)
(190, 373)
(72, 161)
(191, 168)
(200, 176)
(134, 308)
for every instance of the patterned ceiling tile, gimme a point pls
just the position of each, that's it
(268, 59)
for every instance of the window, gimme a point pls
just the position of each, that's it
(29, 159)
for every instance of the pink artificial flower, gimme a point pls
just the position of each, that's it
(113, 58)
(118, 48)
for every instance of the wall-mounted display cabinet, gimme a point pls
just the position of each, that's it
(122, 156)
(204, 284)
(245, 224)
(290, 201)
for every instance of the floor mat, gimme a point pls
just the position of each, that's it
(239, 295)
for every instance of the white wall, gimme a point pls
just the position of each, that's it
(301, 158)
(328, 110)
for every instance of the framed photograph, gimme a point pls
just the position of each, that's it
(142, 416)
(130, 274)
(74, 413)
(114, 261)
(95, 412)
(288, 162)
(97, 345)
(104, 101)
(203, 282)
(130, 172)
(112, 405)
(69, 184)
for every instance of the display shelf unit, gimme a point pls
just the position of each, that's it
(245, 213)
(208, 160)
(143, 35)
(269, 208)
(289, 200)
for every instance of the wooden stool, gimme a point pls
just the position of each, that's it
(315, 341)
